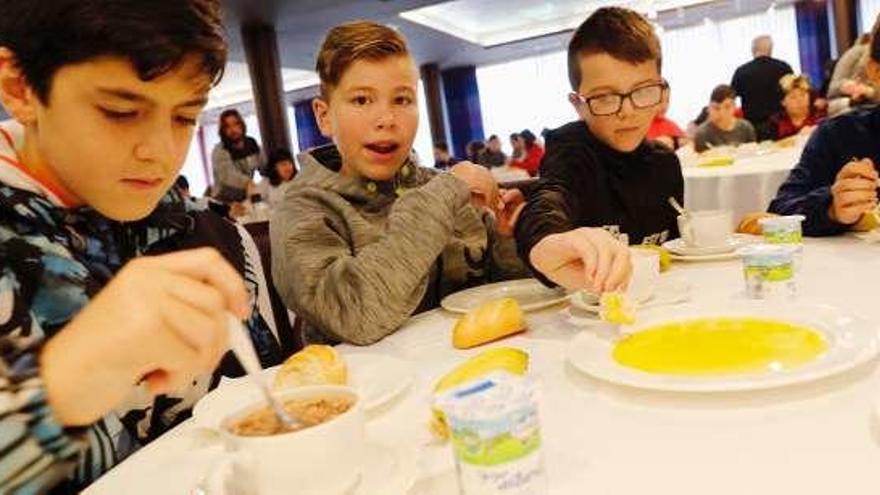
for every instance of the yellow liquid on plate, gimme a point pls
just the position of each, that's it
(720, 346)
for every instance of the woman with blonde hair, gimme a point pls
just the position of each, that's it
(798, 109)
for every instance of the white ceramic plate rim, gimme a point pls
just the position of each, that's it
(708, 257)
(468, 299)
(223, 400)
(677, 246)
(853, 341)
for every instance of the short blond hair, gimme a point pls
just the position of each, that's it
(353, 41)
(790, 82)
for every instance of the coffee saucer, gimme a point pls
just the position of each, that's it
(678, 247)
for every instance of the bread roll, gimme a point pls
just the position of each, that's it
(490, 321)
(314, 365)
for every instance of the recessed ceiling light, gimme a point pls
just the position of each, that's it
(495, 22)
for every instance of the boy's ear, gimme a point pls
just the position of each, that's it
(579, 106)
(322, 116)
(15, 94)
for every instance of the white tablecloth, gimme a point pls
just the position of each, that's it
(810, 439)
(747, 186)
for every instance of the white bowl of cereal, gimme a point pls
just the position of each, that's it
(324, 455)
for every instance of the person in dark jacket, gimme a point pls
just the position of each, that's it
(835, 183)
(757, 84)
(601, 171)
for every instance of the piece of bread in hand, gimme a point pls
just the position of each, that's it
(488, 322)
(314, 365)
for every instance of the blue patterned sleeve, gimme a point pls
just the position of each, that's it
(35, 451)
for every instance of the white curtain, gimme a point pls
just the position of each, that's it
(423, 145)
(697, 58)
(525, 94)
(531, 93)
(868, 10)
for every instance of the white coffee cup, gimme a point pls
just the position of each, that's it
(323, 459)
(706, 229)
(645, 274)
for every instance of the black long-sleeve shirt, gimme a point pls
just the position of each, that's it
(585, 183)
(807, 190)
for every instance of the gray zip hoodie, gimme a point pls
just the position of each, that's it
(356, 258)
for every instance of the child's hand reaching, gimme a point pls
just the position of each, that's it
(584, 258)
(162, 319)
(510, 204)
(484, 188)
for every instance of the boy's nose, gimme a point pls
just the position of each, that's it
(157, 145)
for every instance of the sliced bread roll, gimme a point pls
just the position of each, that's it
(490, 321)
(314, 365)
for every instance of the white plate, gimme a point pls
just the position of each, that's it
(677, 246)
(852, 341)
(707, 257)
(528, 292)
(666, 292)
(376, 377)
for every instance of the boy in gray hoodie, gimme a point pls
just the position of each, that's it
(364, 237)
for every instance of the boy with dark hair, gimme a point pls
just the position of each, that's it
(601, 171)
(101, 348)
(492, 156)
(723, 127)
(442, 159)
(835, 183)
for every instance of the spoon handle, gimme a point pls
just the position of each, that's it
(243, 348)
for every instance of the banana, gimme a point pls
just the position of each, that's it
(510, 359)
(616, 308)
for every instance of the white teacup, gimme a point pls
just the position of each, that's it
(323, 459)
(645, 274)
(706, 229)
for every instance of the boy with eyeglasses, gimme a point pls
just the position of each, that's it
(601, 171)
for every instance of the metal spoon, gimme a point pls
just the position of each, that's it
(244, 350)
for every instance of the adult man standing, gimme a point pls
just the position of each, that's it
(757, 83)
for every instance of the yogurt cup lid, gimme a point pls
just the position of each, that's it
(783, 220)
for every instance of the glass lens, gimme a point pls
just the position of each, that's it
(605, 104)
(647, 96)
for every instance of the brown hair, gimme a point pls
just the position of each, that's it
(622, 33)
(353, 41)
(721, 93)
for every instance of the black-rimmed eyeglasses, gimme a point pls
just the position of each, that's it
(610, 103)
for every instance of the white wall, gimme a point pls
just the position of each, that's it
(868, 10)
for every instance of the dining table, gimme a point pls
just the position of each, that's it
(813, 438)
(747, 185)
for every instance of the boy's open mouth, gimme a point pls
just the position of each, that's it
(382, 147)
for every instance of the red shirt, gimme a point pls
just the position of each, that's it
(531, 162)
(785, 127)
(661, 126)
